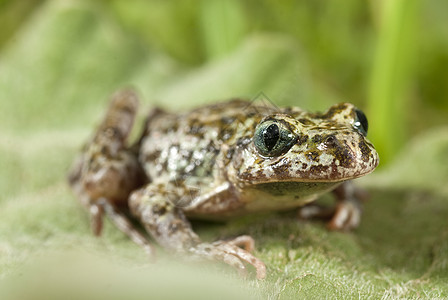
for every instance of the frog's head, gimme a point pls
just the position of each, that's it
(295, 146)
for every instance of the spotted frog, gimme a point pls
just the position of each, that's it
(217, 162)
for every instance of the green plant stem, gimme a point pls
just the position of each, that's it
(391, 76)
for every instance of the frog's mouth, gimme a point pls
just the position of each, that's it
(303, 179)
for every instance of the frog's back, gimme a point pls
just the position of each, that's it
(186, 147)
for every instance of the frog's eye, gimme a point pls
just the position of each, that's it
(361, 123)
(272, 138)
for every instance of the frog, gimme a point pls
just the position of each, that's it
(218, 162)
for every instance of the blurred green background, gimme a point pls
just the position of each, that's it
(60, 61)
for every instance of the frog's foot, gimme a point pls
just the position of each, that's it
(346, 215)
(97, 210)
(168, 225)
(348, 211)
(230, 253)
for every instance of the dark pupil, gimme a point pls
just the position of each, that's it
(271, 136)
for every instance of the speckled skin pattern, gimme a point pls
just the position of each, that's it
(205, 164)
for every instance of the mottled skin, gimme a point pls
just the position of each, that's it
(218, 162)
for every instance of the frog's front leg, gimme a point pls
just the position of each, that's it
(106, 171)
(168, 225)
(346, 214)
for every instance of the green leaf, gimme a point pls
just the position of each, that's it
(56, 74)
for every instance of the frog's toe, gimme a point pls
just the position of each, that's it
(229, 253)
(246, 256)
(233, 261)
(243, 241)
(346, 217)
(213, 252)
